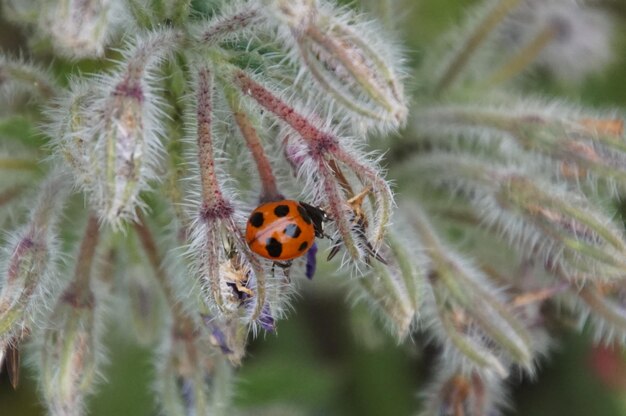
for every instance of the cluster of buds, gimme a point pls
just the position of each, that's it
(170, 147)
(73, 28)
(503, 39)
(525, 182)
(206, 111)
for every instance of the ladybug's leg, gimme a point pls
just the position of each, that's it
(362, 237)
(360, 231)
(285, 266)
(335, 248)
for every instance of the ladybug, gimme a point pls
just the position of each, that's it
(284, 230)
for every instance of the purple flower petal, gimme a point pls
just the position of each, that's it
(216, 333)
(267, 320)
(311, 261)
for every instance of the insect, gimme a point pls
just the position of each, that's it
(284, 230)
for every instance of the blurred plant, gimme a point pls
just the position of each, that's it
(203, 110)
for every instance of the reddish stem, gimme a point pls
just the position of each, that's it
(82, 273)
(319, 141)
(268, 180)
(213, 203)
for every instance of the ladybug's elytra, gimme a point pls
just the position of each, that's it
(284, 230)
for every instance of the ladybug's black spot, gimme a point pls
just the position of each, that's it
(256, 219)
(292, 230)
(305, 215)
(303, 246)
(281, 210)
(274, 247)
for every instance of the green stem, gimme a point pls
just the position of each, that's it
(82, 273)
(19, 164)
(476, 38)
(523, 58)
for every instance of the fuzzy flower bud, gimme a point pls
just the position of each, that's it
(344, 55)
(72, 141)
(193, 378)
(69, 353)
(125, 127)
(469, 316)
(561, 226)
(593, 243)
(69, 362)
(459, 394)
(579, 145)
(17, 75)
(32, 258)
(395, 289)
(232, 277)
(81, 28)
(602, 306)
(570, 39)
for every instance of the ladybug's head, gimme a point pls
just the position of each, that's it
(318, 218)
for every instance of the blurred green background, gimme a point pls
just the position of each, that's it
(330, 358)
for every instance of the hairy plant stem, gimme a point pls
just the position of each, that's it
(151, 249)
(86, 254)
(269, 189)
(475, 39)
(522, 58)
(212, 195)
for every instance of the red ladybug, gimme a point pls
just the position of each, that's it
(284, 230)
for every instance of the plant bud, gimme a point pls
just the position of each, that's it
(468, 313)
(128, 129)
(18, 75)
(560, 225)
(193, 379)
(577, 36)
(457, 393)
(343, 56)
(81, 28)
(69, 359)
(394, 289)
(71, 347)
(31, 263)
